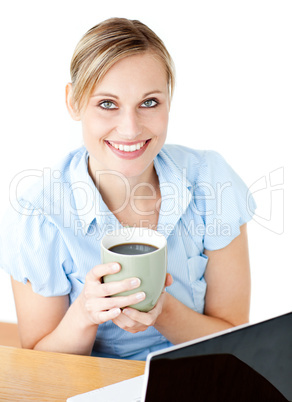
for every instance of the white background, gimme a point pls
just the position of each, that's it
(233, 95)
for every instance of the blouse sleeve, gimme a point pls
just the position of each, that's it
(31, 248)
(223, 201)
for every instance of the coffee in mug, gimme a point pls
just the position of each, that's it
(133, 248)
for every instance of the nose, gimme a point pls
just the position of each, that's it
(129, 126)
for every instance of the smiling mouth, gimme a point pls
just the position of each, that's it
(126, 147)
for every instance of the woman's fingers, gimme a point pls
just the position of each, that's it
(102, 303)
(168, 280)
(149, 318)
(128, 324)
(108, 303)
(97, 272)
(98, 304)
(107, 308)
(103, 316)
(97, 289)
(112, 288)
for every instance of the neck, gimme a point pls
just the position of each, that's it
(119, 191)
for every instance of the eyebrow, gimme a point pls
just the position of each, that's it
(108, 95)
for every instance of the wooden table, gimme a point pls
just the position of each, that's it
(28, 375)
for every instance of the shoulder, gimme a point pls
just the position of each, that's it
(197, 163)
(180, 153)
(50, 184)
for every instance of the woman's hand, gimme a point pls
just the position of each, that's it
(134, 321)
(98, 306)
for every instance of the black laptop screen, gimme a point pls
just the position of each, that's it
(250, 362)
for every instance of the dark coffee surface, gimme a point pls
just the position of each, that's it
(133, 248)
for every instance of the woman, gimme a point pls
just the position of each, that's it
(121, 89)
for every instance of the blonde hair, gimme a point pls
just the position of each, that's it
(104, 45)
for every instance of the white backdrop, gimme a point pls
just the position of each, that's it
(233, 95)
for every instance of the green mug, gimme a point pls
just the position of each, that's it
(147, 261)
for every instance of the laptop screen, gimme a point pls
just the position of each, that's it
(252, 362)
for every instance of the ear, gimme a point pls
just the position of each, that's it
(74, 113)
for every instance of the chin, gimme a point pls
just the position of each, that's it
(135, 170)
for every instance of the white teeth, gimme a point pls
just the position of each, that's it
(128, 148)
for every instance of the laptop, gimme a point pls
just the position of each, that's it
(251, 362)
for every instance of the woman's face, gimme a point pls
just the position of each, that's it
(125, 122)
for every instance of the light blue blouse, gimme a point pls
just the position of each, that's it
(51, 235)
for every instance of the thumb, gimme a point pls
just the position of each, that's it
(168, 280)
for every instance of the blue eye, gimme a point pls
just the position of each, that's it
(149, 103)
(107, 105)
